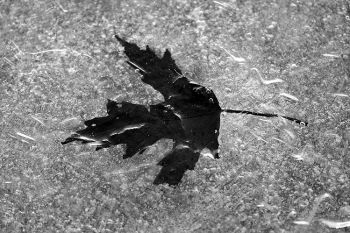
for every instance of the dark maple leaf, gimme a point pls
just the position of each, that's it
(189, 115)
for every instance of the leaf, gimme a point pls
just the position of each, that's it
(189, 115)
(175, 164)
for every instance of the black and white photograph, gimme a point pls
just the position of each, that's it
(175, 116)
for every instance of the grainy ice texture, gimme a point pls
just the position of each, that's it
(59, 63)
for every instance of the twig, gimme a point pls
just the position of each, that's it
(338, 94)
(8, 61)
(264, 81)
(25, 136)
(61, 7)
(289, 96)
(221, 3)
(136, 168)
(48, 51)
(313, 211)
(331, 55)
(83, 54)
(38, 120)
(56, 50)
(236, 59)
(68, 119)
(258, 137)
(17, 47)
